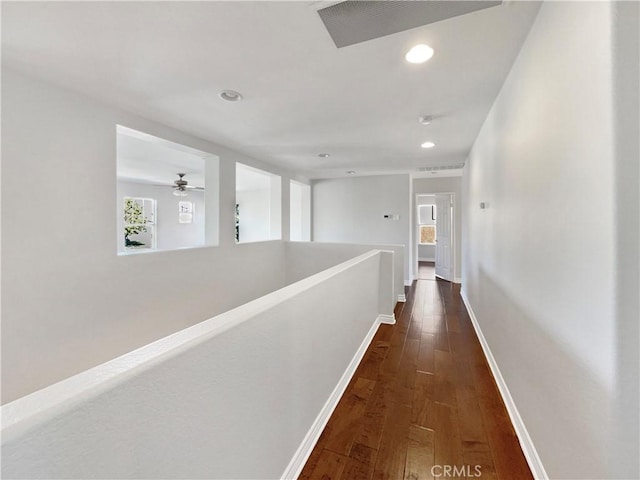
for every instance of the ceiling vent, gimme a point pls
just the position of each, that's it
(441, 167)
(357, 21)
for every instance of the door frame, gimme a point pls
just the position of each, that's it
(416, 234)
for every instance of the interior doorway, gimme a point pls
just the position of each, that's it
(434, 236)
(426, 270)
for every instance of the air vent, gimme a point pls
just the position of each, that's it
(357, 21)
(441, 167)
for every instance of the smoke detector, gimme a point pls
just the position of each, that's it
(230, 95)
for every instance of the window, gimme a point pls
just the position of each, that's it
(427, 219)
(139, 223)
(166, 194)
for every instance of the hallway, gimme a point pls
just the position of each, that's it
(426, 270)
(422, 400)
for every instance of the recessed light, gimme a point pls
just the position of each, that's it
(419, 54)
(351, 172)
(428, 145)
(324, 155)
(230, 95)
(425, 119)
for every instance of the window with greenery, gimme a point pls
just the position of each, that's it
(167, 194)
(139, 222)
(299, 211)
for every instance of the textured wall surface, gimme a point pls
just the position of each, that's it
(231, 397)
(69, 301)
(351, 210)
(538, 271)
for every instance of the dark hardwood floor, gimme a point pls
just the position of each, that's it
(422, 404)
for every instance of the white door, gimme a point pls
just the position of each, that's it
(444, 267)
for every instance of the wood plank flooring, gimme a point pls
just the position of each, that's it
(422, 401)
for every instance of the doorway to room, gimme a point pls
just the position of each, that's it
(434, 236)
(426, 270)
(426, 247)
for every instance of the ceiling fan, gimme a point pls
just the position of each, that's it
(182, 186)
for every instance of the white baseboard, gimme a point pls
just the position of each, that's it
(528, 448)
(388, 319)
(457, 280)
(306, 447)
(402, 298)
(424, 259)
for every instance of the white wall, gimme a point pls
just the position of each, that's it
(193, 404)
(424, 186)
(351, 210)
(170, 234)
(308, 258)
(427, 253)
(259, 196)
(255, 215)
(538, 271)
(275, 208)
(625, 440)
(68, 304)
(300, 227)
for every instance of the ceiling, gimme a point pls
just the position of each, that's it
(143, 158)
(248, 178)
(168, 61)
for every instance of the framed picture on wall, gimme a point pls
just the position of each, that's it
(185, 212)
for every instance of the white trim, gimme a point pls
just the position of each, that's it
(457, 280)
(402, 298)
(424, 259)
(528, 448)
(306, 447)
(44, 404)
(410, 283)
(388, 319)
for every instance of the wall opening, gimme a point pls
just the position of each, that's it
(300, 211)
(426, 241)
(258, 205)
(435, 220)
(166, 194)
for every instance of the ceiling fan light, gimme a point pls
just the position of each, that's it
(179, 193)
